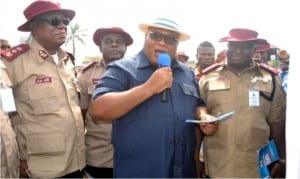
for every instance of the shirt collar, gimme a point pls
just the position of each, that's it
(144, 61)
(43, 54)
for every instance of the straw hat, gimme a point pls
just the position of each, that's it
(164, 23)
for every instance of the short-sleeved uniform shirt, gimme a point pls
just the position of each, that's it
(99, 150)
(9, 149)
(49, 125)
(153, 140)
(257, 99)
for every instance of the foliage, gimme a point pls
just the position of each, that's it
(75, 34)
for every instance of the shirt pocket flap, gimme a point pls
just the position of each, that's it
(265, 87)
(189, 90)
(218, 84)
(45, 144)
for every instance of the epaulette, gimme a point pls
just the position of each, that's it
(268, 68)
(88, 66)
(211, 67)
(14, 52)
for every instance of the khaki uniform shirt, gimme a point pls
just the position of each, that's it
(9, 149)
(231, 151)
(197, 72)
(99, 151)
(49, 125)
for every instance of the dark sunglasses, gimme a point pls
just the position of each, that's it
(169, 39)
(55, 21)
(246, 46)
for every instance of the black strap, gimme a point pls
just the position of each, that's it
(270, 98)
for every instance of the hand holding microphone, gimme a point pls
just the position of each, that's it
(164, 60)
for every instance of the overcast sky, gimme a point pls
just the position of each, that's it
(275, 20)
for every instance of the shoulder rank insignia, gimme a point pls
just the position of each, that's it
(14, 52)
(268, 68)
(43, 54)
(88, 66)
(211, 68)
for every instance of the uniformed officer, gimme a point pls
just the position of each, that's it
(205, 57)
(48, 123)
(112, 43)
(284, 61)
(9, 148)
(254, 93)
(4, 44)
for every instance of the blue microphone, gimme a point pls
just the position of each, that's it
(164, 60)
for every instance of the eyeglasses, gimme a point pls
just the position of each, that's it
(169, 39)
(245, 46)
(55, 21)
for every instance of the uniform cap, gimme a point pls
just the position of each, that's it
(40, 7)
(240, 35)
(262, 45)
(99, 33)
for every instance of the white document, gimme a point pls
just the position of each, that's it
(7, 101)
(220, 118)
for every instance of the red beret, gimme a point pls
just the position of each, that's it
(40, 7)
(99, 33)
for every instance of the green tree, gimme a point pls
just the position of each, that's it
(76, 34)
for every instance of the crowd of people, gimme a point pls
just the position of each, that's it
(124, 117)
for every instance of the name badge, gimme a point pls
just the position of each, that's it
(253, 98)
(7, 102)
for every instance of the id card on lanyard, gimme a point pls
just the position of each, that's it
(253, 98)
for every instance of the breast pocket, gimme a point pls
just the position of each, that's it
(43, 99)
(190, 98)
(219, 91)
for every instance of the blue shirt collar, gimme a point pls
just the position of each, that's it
(144, 62)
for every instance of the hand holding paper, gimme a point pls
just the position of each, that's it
(220, 118)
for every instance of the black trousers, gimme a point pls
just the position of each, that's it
(76, 174)
(99, 172)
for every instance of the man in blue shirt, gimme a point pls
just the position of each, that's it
(150, 136)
